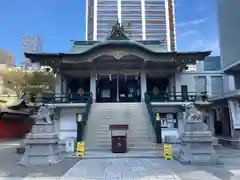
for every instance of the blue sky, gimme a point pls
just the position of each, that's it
(59, 21)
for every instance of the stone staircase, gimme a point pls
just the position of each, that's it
(140, 135)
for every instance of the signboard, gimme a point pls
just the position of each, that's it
(79, 117)
(158, 118)
(168, 152)
(80, 149)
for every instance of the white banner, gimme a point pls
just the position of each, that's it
(234, 110)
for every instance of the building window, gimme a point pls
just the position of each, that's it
(217, 85)
(200, 84)
(212, 63)
(168, 120)
(237, 81)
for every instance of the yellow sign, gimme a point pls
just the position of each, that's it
(168, 152)
(80, 148)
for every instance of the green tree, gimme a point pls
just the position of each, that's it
(30, 82)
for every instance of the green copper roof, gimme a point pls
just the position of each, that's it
(82, 46)
(117, 40)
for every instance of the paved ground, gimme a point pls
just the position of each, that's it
(115, 168)
(9, 169)
(151, 169)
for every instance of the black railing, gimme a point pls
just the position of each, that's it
(173, 97)
(53, 98)
(64, 98)
(81, 124)
(165, 97)
(155, 123)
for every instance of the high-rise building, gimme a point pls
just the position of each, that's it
(6, 59)
(30, 44)
(229, 28)
(142, 19)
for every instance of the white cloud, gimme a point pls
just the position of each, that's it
(200, 9)
(193, 22)
(214, 47)
(204, 45)
(188, 33)
(194, 40)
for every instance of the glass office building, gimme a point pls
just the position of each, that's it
(142, 19)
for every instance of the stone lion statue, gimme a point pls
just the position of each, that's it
(192, 113)
(44, 114)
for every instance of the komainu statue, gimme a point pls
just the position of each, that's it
(192, 113)
(44, 114)
(41, 145)
(196, 139)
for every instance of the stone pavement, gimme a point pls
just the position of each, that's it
(115, 168)
(150, 169)
(9, 170)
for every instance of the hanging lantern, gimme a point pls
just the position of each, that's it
(136, 77)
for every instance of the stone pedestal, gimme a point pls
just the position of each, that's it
(196, 140)
(196, 144)
(41, 145)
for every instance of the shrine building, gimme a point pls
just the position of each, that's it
(121, 72)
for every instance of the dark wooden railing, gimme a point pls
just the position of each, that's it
(177, 97)
(53, 98)
(64, 98)
(156, 124)
(71, 98)
(82, 124)
(165, 97)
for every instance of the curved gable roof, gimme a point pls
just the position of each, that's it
(112, 43)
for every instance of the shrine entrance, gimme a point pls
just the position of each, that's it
(118, 87)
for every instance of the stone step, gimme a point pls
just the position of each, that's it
(102, 118)
(127, 109)
(140, 131)
(133, 137)
(136, 141)
(153, 147)
(130, 125)
(108, 122)
(112, 109)
(107, 131)
(117, 104)
(93, 130)
(130, 143)
(140, 152)
(116, 118)
(109, 145)
(129, 136)
(108, 139)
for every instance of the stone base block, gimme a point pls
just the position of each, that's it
(20, 150)
(198, 153)
(235, 144)
(198, 159)
(194, 162)
(42, 128)
(29, 160)
(40, 154)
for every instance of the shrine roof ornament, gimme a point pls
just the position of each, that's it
(117, 32)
